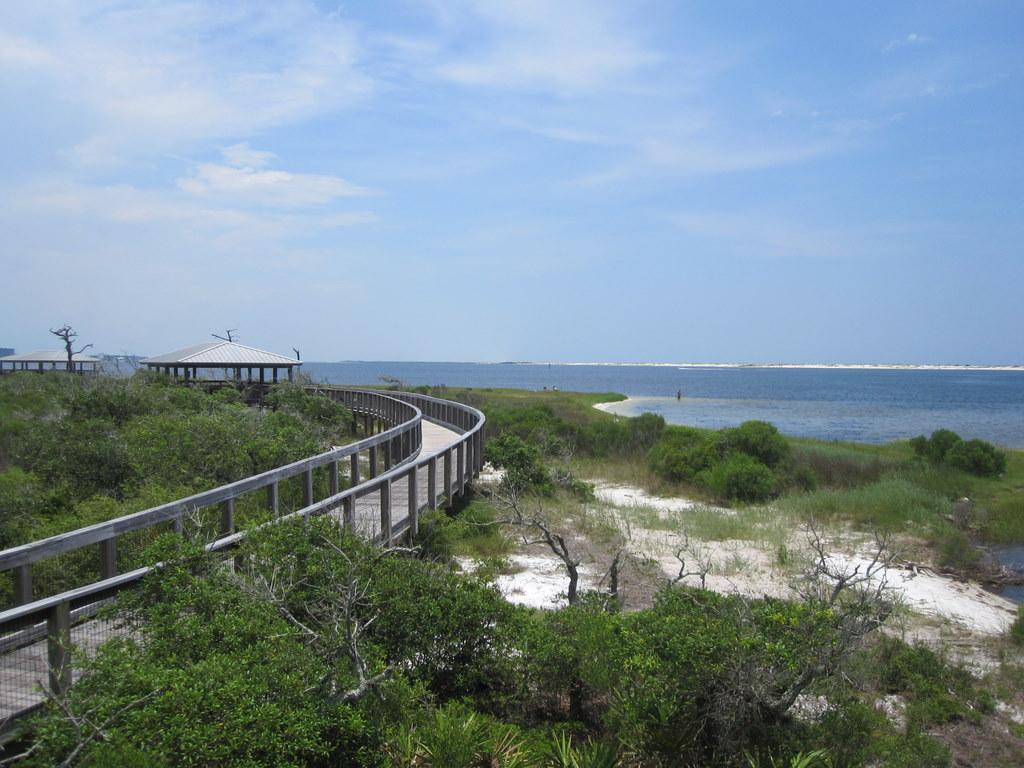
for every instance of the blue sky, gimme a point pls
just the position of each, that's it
(473, 180)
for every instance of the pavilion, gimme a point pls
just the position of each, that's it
(228, 356)
(48, 360)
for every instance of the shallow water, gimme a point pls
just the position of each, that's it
(871, 406)
(1011, 555)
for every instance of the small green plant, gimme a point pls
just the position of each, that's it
(782, 555)
(1016, 632)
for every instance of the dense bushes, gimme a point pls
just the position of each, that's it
(975, 457)
(249, 666)
(79, 450)
(738, 463)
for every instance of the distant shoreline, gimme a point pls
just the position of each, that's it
(810, 366)
(686, 366)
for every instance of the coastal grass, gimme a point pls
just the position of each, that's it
(892, 503)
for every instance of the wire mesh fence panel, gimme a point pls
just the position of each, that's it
(24, 666)
(88, 635)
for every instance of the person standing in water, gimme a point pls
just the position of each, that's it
(679, 395)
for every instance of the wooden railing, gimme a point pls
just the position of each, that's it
(392, 457)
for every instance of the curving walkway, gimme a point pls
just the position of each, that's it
(25, 669)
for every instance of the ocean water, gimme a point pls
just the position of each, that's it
(865, 405)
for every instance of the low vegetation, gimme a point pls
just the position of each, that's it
(315, 649)
(80, 450)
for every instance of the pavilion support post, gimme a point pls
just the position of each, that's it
(275, 375)
(291, 373)
(432, 483)
(108, 558)
(58, 648)
(385, 513)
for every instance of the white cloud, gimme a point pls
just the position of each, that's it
(911, 39)
(147, 77)
(252, 186)
(243, 156)
(567, 46)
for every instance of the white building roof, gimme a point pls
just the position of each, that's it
(47, 356)
(222, 354)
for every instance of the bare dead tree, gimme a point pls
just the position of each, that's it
(298, 355)
(330, 621)
(699, 556)
(858, 597)
(535, 528)
(67, 334)
(230, 335)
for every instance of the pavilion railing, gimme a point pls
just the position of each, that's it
(36, 636)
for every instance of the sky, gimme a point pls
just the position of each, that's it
(471, 180)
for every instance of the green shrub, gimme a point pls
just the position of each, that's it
(524, 469)
(937, 446)
(742, 478)
(757, 439)
(977, 457)
(682, 453)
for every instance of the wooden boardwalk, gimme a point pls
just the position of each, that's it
(22, 671)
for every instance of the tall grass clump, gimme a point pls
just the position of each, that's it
(891, 503)
(838, 466)
(1004, 523)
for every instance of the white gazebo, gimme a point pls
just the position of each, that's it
(228, 356)
(48, 360)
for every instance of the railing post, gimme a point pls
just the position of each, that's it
(332, 477)
(178, 524)
(470, 458)
(373, 461)
(307, 487)
(414, 503)
(23, 584)
(447, 460)
(273, 498)
(227, 517)
(460, 482)
(58, 647)
(389, 449)
(385, 513)
(432, 483)
(354, 469)
(348, 507)
(108, 558)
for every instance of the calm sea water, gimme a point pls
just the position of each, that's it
(872, 406)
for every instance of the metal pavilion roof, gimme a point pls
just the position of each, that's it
(223, 354)
(47, 356)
